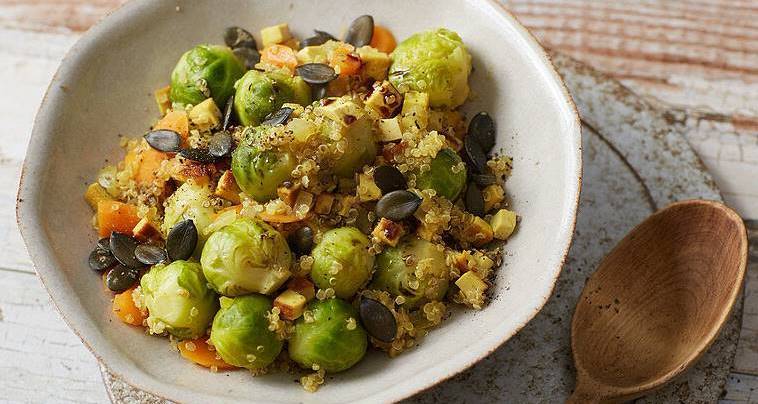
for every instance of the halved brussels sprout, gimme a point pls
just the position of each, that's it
(261, 93)
(246, 256)
(415, 269)
(345, 122)
(434, 62)
(329, 336)
(240, 332)
(205, 71)
(259, 172)
(341, 261)
(178, 299)
(446, 175)
(190, 201)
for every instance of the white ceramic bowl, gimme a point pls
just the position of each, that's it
(103, 89)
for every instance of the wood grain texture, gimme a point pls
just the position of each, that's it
(657, 301)
(700, 56)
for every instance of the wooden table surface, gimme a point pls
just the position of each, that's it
(700, 56)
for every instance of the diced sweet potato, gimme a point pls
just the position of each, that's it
(96, 193)
(116, 216)
(150, 161)
(178, 121)
(198, 351)
(126, 310)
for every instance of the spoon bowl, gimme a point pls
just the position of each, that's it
(657, 301)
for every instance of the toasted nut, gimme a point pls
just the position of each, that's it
(227, 188)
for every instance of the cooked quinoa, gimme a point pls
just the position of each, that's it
(288, 212)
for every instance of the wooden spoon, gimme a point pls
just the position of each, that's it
(657, 301)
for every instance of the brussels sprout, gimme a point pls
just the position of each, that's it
(330, 337)
(246, 256)
(205, 71)
(346, 122)
(261, 93)
(190, 201)
(259, 172)
(434, 62)
(419, 279)
(178, 299)
(240, 332)
(446, 175)
(342, 256)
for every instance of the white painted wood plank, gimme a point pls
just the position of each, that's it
(41, 360)
(27, 63)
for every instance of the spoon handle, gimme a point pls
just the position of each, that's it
(589, 393)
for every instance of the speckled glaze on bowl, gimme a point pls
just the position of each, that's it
(103, 89)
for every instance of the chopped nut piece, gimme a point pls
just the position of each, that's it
(303, 203)
(302, 286)
(291, 304)
(324, 204)
(288, 193)
(205, 115)
(146, 230)
(385, 100)
(475, 231)
(388, 232)
(367, 188)
(415, 114)
(227, 188)
(275, 34)
(503, 223)
(389, 130)
(472, 289)
(493, 196)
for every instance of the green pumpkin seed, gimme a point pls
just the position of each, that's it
(474, 200)
(319, 92)
(398, 205)
(389, 178)
(164, 140)
(301, 241)
(316, 73)
(320, 38)
(361, 31)
(220, 144)
(378, 320)
(228, 109)
(121, 278)
(100, 260)
(474, 156)
(236, 37)
(482, 130)
(279, 117)
(104, 244)
(201, 155)
(150, 254)
(122, 247)
(249, 57)
(484, 179)
(182, 240)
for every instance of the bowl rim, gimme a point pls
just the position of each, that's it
(28, 224)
